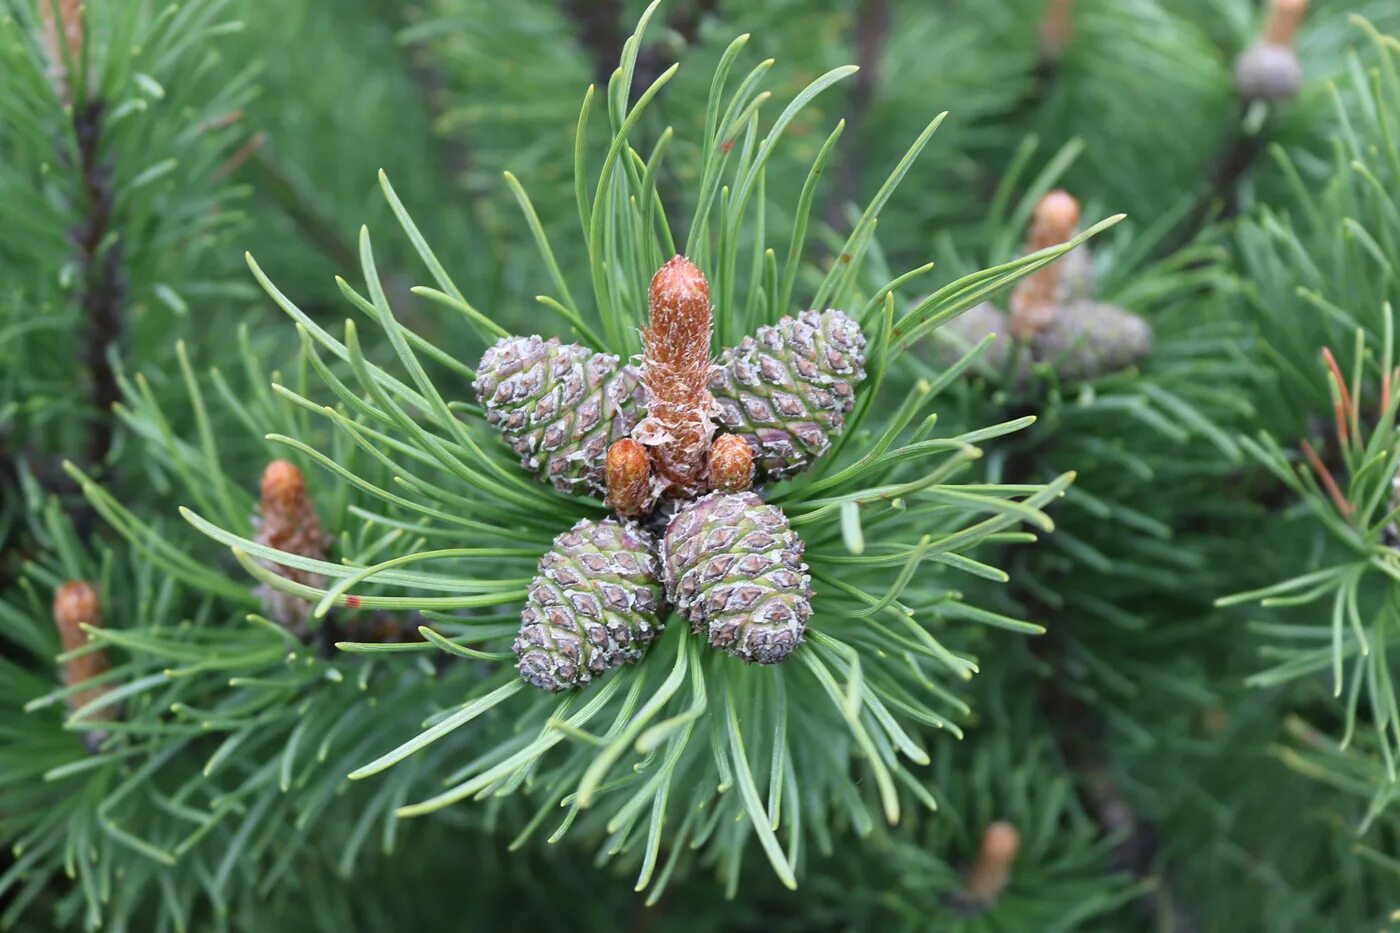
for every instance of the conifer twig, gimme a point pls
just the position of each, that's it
(600, 32)
(872, 29)
(103, 287)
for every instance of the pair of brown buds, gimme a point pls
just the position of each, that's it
(628, 468)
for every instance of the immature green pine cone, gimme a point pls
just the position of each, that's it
(733, 567)
(559, 407)
(962, 333)
(593, 606)
(1092, 339)
(787, 389)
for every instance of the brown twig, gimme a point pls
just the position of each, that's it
(600, 32)
(872, 29)
(103, 286)
(1239, 154)
(1078, 732)
(298, 204)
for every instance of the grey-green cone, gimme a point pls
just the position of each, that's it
(593, 606)
(1083, 341)
(962, 333)
(1092, 339)
(559, 407)
(733, 566)
(787, 389)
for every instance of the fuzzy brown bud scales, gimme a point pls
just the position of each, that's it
(559, 406)
(592, 607)
(676, 375)
(733, 567)
(991, 872)
(731, 464)
(61, 22)
(287, 521)
(76, 604)
(787, 389)
(1034, 301)
(1056, 29)
(1284, 19)
(629, 478)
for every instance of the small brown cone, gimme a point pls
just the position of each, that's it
(287, 521)
(62, 41)
(1284, 19)
(1056, 29)
(731, 464)
(1034, 301)
(76, 604)
(991, 872)
(629, 478)
(676, 369)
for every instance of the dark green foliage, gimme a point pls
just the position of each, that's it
(1134, 605)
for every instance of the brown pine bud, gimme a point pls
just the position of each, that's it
(989, 875)
(731, 464)
(62, 40)
(1056, 29)
(629, 478)
(75, 604)
(1284, 17)
(676, 374)
(287, 521)
(1033, 302)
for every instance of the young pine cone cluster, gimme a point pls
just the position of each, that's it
(675, 441)
(1054, 317)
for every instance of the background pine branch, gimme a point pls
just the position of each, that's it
(1100, 632)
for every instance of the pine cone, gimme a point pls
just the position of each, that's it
(559, 407)
(1079, 281)
(733, 566)
(1267, 71)
(962, 333)
(1087, 340)
(592, 608)
(787, 389)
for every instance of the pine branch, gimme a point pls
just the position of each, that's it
(600, 31)
(298, 204)
(872, 30)
(1079, 733)
(1220, 199)
(103, 286)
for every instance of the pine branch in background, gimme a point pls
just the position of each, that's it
(859, 483)
(111, 229)
(873, 20)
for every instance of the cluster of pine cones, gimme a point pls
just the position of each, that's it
(675, 443)
(1055, 317)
